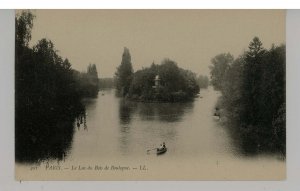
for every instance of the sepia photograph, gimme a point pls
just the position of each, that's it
(150, 94)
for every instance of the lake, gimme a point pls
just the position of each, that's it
(119, 133)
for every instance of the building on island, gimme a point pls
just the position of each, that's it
(156, 83)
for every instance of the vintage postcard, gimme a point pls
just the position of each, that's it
(150, 95)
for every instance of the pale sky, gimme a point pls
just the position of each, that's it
(189, 37)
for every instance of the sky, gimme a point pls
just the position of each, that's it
(189, 37)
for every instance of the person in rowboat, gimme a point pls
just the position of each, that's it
(162, 146)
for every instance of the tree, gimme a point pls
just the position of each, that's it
(92, 80)
(87, 82)
(124, 74)
(252, 79)
(272, 101)
(220, 65)
(231, 89)
(255, 49)
(23, 24)
(92, 71)
(253, 97)
(47, 100)
(170, 75)
(175, 84)
(202, 81)
(106, 83)
(23, 54)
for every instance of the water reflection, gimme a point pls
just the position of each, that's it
(121, 129)
(126, 108)
(48, 135)
(147, 111)
(143, 125)
(81, 121)
(173, 112)
(164, 112)
(124, 141)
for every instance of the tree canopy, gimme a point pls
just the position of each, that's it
(203, 81)
(219, 66)
(48, 95)
(124, 74)
(24, 24)
(253, 97)
(175, 84)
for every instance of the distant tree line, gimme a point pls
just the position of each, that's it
(48, 95)
(202, 81)
(87, 82)
(253, 95)
(174, 83)
(105, 83)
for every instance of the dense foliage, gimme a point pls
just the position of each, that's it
(106, 83)
(253, 97)
(87, 82)
(203, 81)
(47, 96)
(220, 64)
(124, 74)
(175, 84)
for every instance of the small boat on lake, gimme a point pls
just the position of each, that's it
(160, 151)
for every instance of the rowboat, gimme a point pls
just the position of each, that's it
(160, 151)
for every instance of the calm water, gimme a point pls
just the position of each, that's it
(119, 132)
(122, 128)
